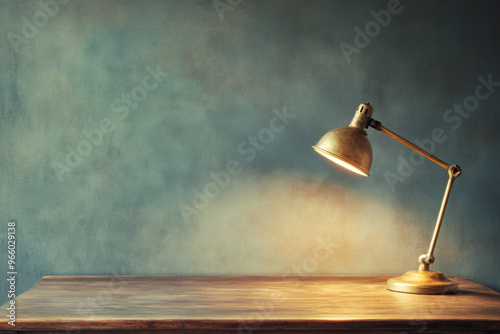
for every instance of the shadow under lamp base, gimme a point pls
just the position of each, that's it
(427, 282)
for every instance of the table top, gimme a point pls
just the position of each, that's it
(247, 303)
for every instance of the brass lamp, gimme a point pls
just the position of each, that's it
(350, 148)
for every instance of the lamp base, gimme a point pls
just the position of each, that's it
(425, 282)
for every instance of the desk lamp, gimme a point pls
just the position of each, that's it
(349, 147)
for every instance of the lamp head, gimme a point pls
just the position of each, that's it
(349, 146)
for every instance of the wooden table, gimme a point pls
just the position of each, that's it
(248, 304)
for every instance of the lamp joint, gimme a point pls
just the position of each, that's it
(454, 171)
(375, 124)
(425, 261)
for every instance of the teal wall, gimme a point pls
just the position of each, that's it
(174, 137)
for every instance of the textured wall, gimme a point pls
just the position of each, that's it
(174, 137)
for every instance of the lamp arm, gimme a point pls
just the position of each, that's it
(427, 259)
(453, 171)
(378, 126)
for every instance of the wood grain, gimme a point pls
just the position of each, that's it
(249, 304)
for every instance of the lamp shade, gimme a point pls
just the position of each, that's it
(348, 147)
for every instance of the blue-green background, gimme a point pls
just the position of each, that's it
(118, 211)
